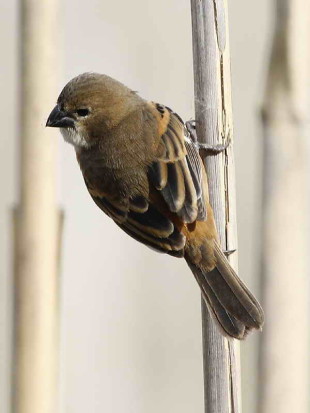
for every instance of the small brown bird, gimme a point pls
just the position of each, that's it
(143, 170)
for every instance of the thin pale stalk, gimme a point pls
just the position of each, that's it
(214, 126)
(37, 223)
(284, 351)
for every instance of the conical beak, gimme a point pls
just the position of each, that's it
(59, 119)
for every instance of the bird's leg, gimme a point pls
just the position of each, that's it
(207, 147)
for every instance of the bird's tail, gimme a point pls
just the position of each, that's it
(230, 302)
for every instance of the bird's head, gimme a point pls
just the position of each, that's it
(88, 106)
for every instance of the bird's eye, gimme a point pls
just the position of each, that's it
(82, 112)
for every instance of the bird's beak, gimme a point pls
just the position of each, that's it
(59, 119)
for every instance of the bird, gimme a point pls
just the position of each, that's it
(143, 169)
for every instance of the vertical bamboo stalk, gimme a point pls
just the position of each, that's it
(36, 218)
(215, 126)
(284, 373)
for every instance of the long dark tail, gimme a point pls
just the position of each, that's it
(230, 302)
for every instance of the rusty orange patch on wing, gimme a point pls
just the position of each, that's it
(162, 115)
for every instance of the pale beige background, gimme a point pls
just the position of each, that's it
(130, 318)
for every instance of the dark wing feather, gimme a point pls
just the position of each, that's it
(174, 190)
(197, 171)
(151, 222)
(158, 173)
(142, 221)
(172, 245)
(114, 209)
(178, 173)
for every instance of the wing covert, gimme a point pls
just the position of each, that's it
(178, 172)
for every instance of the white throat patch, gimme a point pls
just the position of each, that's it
(72, 136)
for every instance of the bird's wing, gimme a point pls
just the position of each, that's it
(142, 220)
(178, 173)
(177, 190)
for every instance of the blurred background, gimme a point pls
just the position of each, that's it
(130, 337)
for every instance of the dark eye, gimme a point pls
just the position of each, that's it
(82, 112)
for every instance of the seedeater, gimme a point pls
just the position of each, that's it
(142, 169)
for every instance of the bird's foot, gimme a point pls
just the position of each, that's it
(213, 149)
(210, 149)
(229, 252)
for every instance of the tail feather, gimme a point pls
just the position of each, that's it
(232, 305)
(229, 325)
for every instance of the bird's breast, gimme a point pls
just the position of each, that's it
(118, 180)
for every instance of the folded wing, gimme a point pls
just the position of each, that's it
(177, 191)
